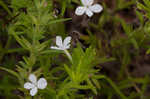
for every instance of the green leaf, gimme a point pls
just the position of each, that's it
(68, 70)
(5, 7)
(51, 51)
(76, 55)
(59, 20)
(148, 51)
(141, 6)
(140, 16)
(23, 42)
(147, 3)
(11, 72)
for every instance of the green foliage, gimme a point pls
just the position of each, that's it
(122, 4)
(145, 7)
(82, 69)
(28, 29)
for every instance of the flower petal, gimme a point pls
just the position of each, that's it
(67, 41)
(56, 48)
(87, 2)
(67, 47)
(42, 83)
(59, 41)
(29, 85)
(89, 12)
(80, 10)
(33, 91)
(96, 8)
(32, 78)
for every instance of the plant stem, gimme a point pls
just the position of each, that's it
(68, 54)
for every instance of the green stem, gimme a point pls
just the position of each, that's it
(68, 55)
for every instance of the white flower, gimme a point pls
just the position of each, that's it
(88, 8)
(62, 45)
(34, 85)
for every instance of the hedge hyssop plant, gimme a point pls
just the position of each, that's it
(45, 72)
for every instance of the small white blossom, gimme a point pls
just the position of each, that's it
(88, 8)
(62, 45)
(34, 85)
